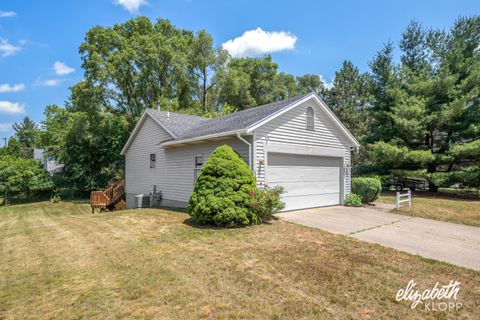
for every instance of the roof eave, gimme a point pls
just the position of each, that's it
(201, 138)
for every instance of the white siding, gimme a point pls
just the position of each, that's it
(173, 174)
(290, 128)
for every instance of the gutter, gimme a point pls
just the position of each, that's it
(249, 149)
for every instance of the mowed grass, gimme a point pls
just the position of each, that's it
(441, 207)
(58, 261)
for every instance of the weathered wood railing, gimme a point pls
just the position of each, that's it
(399, 200)
(108, 199)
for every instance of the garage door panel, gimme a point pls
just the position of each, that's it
(309, 188)
(301, 174)
(301, 202)
(309, 181)
(282, 159)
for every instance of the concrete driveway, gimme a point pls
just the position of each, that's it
(454, 243)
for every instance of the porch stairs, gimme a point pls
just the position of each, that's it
(113, 198)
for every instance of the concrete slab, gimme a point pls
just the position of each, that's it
(453, 243)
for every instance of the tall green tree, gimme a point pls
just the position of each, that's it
(248, 82)
(310, 83)
(426, 110)
(139, 64)
(350, 98)
(88, 144)
(26, 132)
(206, 61)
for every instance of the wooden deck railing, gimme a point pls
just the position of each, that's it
(108, 199)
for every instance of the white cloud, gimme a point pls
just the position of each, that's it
(49, 82)
(328, 85)
(255, 42)
(9, 107)
(61, 68)
(7, 14)
(6, 87)
(4, 127)
(7, 49)
(131, 6)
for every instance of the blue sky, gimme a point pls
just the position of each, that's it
(39, 40)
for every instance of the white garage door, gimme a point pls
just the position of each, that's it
(309, 181)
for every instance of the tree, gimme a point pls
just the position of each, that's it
(426, 110)
(206, 61)
(310, 83)
(223, 192)
(350, 99)
(24, 179)
(138, 65)
(26, 132)
(248, 82)
(88, 144)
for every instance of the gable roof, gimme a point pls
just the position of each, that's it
(200, 127)
(184, 128)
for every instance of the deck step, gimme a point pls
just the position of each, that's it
(112, 198)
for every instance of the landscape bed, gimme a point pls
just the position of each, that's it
(60, 261)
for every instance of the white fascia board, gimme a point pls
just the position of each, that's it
(337, 121)
(322, 105)
(202, 138)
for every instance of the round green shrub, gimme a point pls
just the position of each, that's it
(353, 200)
(367, 188)
(224, 190)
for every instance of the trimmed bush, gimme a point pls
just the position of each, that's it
(353, 200)
(267, 201)
(367, 188)
(223, 192)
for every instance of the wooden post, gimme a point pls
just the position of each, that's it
(409, 197)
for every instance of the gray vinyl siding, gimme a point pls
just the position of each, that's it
(290, 128)
(173, 174)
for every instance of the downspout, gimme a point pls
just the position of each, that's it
(249, 149)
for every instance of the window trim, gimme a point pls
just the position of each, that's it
(153, 163)
(197, 169)
(310, 119)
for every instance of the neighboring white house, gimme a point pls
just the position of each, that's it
(48, 162)
(297, 143)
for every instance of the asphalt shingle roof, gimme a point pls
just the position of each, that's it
(187, 126)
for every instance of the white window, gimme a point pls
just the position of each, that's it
(152, 160)
(197, 166)
(310, 119)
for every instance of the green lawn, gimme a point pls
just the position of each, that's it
(440, 206)
(59, 261)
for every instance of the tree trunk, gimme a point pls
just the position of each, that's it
(204, 95)
(431, 186)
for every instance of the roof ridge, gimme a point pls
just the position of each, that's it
(186, 125)
(179, 113)
(265, 105)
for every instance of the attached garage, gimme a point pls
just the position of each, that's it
(309, 181)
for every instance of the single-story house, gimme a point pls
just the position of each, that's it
(297, 143)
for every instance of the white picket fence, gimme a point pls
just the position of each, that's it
(400, 199)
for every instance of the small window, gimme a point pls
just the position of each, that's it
(152, 160)
(310, 119)
(197, 166)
